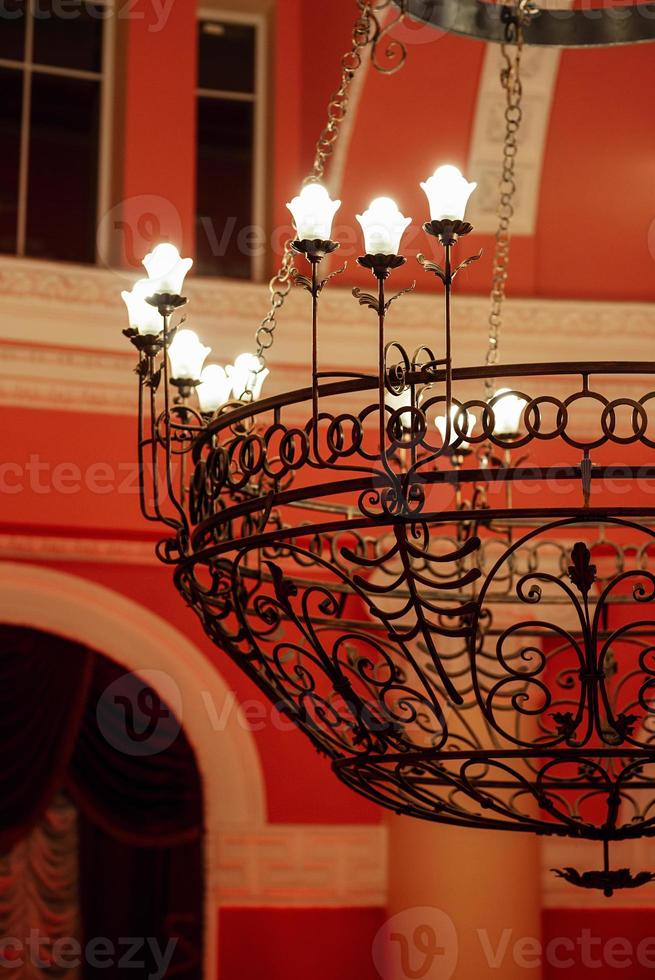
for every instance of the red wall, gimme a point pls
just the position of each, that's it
(298, 944)
(599, 944)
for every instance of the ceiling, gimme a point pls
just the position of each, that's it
(585, 223)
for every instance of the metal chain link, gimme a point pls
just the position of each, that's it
(365, 32)
(510, 79)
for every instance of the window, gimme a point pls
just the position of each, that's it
(52, 60)
(229, 202)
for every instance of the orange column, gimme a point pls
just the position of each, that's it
(462, 903)
(159, 128)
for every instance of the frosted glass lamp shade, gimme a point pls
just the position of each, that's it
(166, 266)
(447, 193)
(383, 226)
(397, 402)
(245, 376)
(313, 213)
(508, 409)
(187, 356)
(456, 417)
(214, 389)
(142, 316)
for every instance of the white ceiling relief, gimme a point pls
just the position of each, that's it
(539, 68)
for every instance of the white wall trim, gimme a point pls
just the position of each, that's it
(138, 639)
(304, 866)
(584, 855)
(103, 551)
(539, 71)
(60, 326)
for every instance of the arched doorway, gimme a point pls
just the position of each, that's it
(96, 617)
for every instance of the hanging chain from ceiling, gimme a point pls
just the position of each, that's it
(511, 82)
(367, 31)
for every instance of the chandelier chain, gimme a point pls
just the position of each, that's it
(510, 79)
(366, 31)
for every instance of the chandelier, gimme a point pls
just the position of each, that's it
(421, 565)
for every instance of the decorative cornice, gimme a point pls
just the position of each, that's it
(60, 326)
(586, 856)
(40, 547)
(539, 69)
(302, 865)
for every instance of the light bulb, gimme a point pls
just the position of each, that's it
(214, 389)
(398, 402)
(456, 416)
(142, 316)
(447, 193)
(245, 376)
(383, 226)
(313, 213)
(165, 265)
(508, 409)
(187, 356)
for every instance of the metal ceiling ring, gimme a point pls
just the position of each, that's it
(593, 27)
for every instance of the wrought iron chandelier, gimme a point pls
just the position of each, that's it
(433, 584)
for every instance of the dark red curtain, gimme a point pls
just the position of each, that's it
(71, 718)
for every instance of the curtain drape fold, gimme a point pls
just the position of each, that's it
(72, 719)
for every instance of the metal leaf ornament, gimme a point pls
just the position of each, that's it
(581, 572)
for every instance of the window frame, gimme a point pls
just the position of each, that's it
(259, 262)
(105, 77)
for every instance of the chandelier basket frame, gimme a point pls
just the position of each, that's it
(457, 612)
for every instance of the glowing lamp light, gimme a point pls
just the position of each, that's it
(187, 356)
(214, 389)
(383, 226)
(245, 376)
(508, 409)
(456, 416)
(142, 316)
(447, 192)
(313, 213)
(398, 402)
(165, 265)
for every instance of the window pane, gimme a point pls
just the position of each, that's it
(226, 55)
(11, 87)
(224, 188)
(68, 35)
(12, 29)
(61, 196)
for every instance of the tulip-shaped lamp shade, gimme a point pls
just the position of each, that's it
(245, 376)
(383, 226)
(508, 409)
(313, 213)
(398, 402)
(456, 418)
(447, 193)
(165, 265)
(142, 316)
(214, 389)
(187, 356)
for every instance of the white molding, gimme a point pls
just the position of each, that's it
(300, 865)
(61, 326)
(584, 855)
(133, 636)
(539, 70)
(104, 551)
